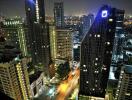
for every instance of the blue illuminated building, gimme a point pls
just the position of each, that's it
(97, 48)
(32, 1)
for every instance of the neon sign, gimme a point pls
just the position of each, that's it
(104, 13)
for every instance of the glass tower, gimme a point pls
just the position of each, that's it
(59, 14)
(96, 52)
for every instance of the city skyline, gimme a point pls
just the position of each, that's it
(66, 49)
(71, 8)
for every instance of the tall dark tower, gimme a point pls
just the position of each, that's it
(96, 52)
(38, 32)
(59, 14)
(35, 11)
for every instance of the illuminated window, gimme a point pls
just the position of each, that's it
(96, 72)
(95, 64)
(108, 43)
(128, 94)
(118, 27)
(96, 58)
(84, 65)
(105, 68)
(85, 70)
(90, 35)
(110, 20)
(29, 9)
(98, 35)
(35, 53)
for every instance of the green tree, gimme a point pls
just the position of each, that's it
(63, 70)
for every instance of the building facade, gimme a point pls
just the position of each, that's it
(37, 82)
(14, 80)
(59, 14)
(38, 32)
(87, 21)
(15, 33)
(53, 45)
(61, 44)
(96, 52)
(124, 89)
(64, 44)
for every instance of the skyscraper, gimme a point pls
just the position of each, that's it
(59, 14)
(64, 44)
(124, 89)
(35, 11)
(14, 80)
(53, 45)
(38, 32)
(117, 54)
(96, 52)
(61, 43)
(87, 21)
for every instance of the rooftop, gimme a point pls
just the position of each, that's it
(35, 76)
(8, 53)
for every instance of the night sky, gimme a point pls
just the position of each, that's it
(11, 8)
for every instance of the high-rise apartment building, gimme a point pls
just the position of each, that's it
(96, 52)
(15, 33)
(41, 44)
(124, 89)
(38, 32)
(59, 14)
(61, 43)
(14, 80)
(53, 45)
(64, 44)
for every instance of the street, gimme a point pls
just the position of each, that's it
(66, 87)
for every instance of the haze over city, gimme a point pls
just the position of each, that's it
(72, 7)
